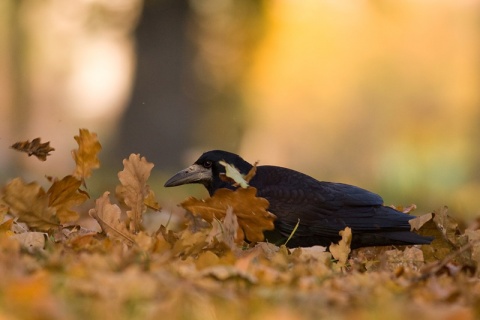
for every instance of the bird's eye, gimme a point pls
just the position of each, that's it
(207, 164)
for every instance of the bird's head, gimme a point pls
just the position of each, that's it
(207, 169)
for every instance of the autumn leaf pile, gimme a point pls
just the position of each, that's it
(212, 265)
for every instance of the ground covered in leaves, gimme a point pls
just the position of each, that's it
(202, 267)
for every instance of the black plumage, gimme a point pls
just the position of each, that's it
(323, 208)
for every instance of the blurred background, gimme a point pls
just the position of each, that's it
(378, 93)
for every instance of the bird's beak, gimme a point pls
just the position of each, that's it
(193, 174)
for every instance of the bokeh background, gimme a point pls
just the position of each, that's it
(378, 93)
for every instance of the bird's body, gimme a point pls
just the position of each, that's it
(321, 209)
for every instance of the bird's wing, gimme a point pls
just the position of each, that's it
(294, 189)
(322, 207)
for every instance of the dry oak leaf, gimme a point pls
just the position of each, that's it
(86, 155)
(31, 240)
(108, 216)
(29, 203)
(251, 211)
(65, 194)
(3, 211)
(234, 176)
(34, 148)
(6, 226)
(341, 250)
(135, 190)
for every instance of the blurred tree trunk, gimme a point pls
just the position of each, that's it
(161, 112)
(191, 60)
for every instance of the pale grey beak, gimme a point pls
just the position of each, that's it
(193, 174)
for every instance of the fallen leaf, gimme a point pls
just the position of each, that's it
(411, 258)
(31, 240)
(135, 190)
(86, 155)
(151, 201)
(234, 174)
(418, 222)
(34, 148)
(29, 203)
(230, 229)
(108, 216)
(251, 211)
(444, 231)
(3, 211)
(251, 173)
(447, 225)
(6, 226)
(341, 250)
(65, 194)
(407, 209)
(189, 244)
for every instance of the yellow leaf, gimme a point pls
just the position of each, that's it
(86, 155)
(234, 174)
(341, 250)
(251, 211)
(3, 211)
(135, 190)
(108, 216)
(151, 201)
(65, 194)
(206, 259)
(29, 203)
(6, 226)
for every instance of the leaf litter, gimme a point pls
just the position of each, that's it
(215, 265)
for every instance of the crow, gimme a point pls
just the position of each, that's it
(321, 209)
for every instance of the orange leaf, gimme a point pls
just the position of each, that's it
(135, 190)
(251, 211)
(108, 216)
(65, 194)
(6, 226)
(29, 203)
(86, 156)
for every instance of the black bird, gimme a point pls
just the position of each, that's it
(323, 208)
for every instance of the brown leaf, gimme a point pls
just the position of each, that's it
(411, 258)
(447, 225)
(230, 228)
(251, 211)
(3, 211)
(108, 216)
(226, 231)
(252, 172)
(65, 194)
(34, 148)
(86, 155)
(6, 226)
(418, 222)
(31, 240)
(135, 189)
(151, 201)
(444, 231)
(341, 250)
(29, 203)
